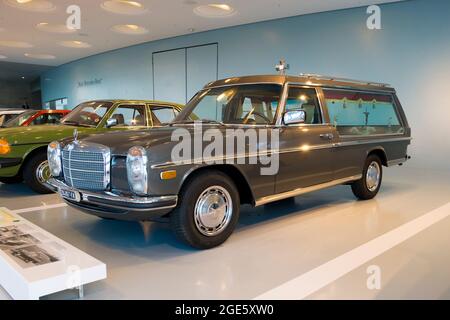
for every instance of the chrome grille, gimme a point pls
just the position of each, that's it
(86, 166)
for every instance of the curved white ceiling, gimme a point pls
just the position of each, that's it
(162, 19)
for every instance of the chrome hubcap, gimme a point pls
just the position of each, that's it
(373, 176)
(43, 172)
(213, 211)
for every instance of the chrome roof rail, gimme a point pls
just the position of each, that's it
(331, 78)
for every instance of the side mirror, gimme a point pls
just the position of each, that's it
(294, 117)
(111, 122)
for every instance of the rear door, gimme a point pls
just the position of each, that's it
(305, 149)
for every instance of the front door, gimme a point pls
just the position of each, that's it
(306, 150)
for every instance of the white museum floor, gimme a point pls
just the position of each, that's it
(318, 247)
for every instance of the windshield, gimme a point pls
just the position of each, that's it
(88, 114)
(241, 104)
(20, 119)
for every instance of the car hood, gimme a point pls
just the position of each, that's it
(38, 134)
(120, 142)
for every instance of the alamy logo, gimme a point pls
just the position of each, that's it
(374, 279)
(374, 20)
(73, 277)
(227, 146)
(73, 22)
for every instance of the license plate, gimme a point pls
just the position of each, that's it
(70, 195)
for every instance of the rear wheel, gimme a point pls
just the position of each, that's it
(37, 172)
(207, 212)
(368, 186)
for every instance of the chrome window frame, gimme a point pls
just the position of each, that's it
(105, 117)
(282, 107)
(269, 125)
(387, 93)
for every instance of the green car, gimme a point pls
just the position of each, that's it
(23, 150)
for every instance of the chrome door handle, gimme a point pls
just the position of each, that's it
(327, 136)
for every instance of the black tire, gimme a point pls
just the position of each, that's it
(360, 188)
(183, 219)
(30, 173)
(11, 180)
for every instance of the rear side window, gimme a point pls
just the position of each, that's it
(362, 114)
(130, 115)
(162, 115)
(48, 118)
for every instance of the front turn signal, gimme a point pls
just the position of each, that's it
(168, 175)
(5, 148)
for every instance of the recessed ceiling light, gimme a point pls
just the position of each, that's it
(42, 56)
(124, 7)
(54, 28)
(129, 29)
(75, 44)
(217, 10)
(15, 44)
(32, 5)
(3, 57)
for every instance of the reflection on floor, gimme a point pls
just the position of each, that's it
(272, 245)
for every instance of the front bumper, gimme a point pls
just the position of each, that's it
(118, 206)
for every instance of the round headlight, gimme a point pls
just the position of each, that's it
(54, 158)
(137, 170)
(5, 148)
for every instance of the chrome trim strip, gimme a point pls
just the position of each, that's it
(331, 78)
(224, 158)
(396, 162)
(300, 191)
(207, 87)
(170, 164)
(369, 141)
(85, 195)
(374, 135)
(81, 170)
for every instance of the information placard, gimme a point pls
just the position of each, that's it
(35, 263)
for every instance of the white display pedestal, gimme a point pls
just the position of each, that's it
(35, 263)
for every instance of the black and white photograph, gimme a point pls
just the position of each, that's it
(10, 231)
(17, 241)
(32, 256)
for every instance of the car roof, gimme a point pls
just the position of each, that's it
(304, 79)
(9, 111)
(115, 101)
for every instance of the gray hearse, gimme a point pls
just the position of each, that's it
(317, 132)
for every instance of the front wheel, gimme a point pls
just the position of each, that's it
(368, 186)
(37, 172)
(207, 212)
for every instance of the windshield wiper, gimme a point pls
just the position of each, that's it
(75, 123)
